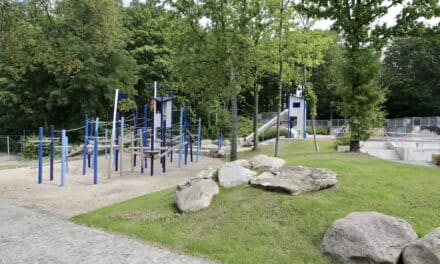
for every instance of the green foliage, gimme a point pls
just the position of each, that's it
(411, 73)
(272, 133)
(250, 225)
(361, 97)
(318, 130)
(244, 126)
(31, 148)
(343, 139)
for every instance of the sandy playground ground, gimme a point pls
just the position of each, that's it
(79, 194)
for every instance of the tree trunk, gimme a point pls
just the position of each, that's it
(233, 115)
(354, 146)
(280, 78)
(255, 117)
(314, 135)
(312, 114)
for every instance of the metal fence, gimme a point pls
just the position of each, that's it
(407, 122)
(11, 144)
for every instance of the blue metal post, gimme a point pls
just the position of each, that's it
(95, 153)
(151, 157)
(171, 126)
(162, 108)
(85, 148)
(63, 158)
(116, 150)
(144, 134)
(52, 150)
(40, 155)
(199, 140)
(164, 138)
(180, 137)
(135, 124)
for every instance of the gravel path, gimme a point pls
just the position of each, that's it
(30, 235)
(80, 195)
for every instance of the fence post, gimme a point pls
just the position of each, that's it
(7, 144)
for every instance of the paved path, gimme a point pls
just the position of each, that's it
(29, 235)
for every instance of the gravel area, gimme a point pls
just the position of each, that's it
(79, 194)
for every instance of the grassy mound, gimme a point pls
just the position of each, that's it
(247, 225)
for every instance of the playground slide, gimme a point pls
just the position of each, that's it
(267, 125)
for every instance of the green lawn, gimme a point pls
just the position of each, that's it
(247, 225)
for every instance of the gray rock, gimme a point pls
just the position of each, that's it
(425, 250)
(207, 173)
(196, 195)
(243, 163)
(367, 237)
(295, 179)
(230, 175)
(264, 161)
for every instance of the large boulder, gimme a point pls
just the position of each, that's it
(231, 174)
(425, 250)
(207, 173)
(295, 179)
(243, 163)
(196, 195)
(368, 237)
(264, 161)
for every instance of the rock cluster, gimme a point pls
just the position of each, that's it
(371, 237)
(198, 191)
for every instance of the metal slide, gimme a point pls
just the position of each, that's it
(267, 125)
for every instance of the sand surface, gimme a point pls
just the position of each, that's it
(79, 195)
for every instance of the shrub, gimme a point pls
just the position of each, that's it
(31, 148)
(244, 126)
(271, 133)
(318, 130)
(343, 140)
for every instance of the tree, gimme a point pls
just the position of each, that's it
(62, 60)
(411, 72)
(361, 96)
(283, 15)
(148, 26)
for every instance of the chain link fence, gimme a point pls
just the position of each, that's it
(11, 144)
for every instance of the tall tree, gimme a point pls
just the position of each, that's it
(364, 37)
(411, 72)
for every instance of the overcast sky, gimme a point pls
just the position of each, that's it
(389, 19)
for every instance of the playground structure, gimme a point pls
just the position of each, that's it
(143, 144)
(295, 118)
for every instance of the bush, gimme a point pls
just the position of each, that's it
(31, 148)
(343, 140)
(271, 133)
(319, 130)
(244, 126)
